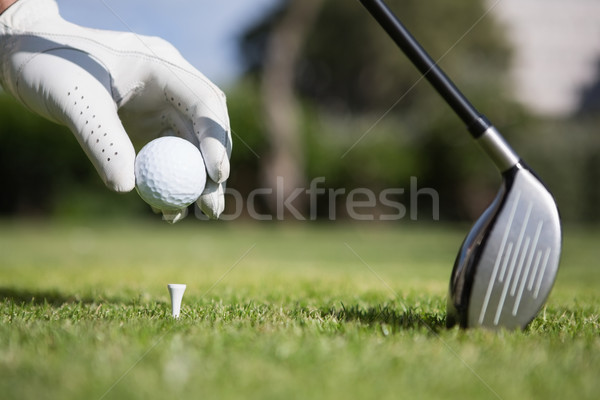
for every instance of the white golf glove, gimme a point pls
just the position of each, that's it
(104, 85)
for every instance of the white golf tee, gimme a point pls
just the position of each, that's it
(176, 291)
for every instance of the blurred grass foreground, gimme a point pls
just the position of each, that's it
(274, 311)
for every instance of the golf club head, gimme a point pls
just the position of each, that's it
(508, 263)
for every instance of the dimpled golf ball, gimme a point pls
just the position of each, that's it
(169, 173)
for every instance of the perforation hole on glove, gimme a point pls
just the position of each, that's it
(85, 112)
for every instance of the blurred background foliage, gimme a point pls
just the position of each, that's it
(364, 118)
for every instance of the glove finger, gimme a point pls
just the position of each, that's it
(73, 89)
(212, 200)
(198, 100)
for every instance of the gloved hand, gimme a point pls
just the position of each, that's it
(104, 85)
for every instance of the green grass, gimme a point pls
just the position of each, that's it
(274, 312)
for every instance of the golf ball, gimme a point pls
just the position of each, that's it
(169, 173)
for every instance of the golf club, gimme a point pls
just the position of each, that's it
(508, 262)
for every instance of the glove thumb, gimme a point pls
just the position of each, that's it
(73, 89)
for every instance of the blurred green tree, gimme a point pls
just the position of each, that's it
(368, 117)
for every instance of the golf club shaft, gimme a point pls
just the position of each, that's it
(476, 122)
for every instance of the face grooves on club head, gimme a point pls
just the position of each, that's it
(508, 263)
